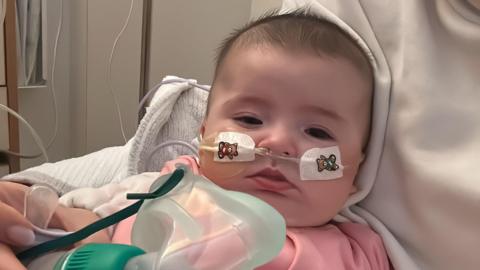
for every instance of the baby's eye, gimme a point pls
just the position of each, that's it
(249, 120)
(318, 133)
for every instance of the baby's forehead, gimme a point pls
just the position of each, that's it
(301, 54)
(281, 59)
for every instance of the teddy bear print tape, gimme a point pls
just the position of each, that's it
(234, 146)
(321, 164)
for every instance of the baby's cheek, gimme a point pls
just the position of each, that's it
(327, 197)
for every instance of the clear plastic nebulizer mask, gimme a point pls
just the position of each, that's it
(228, 154)
(199, 225)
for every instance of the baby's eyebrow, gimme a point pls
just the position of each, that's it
(247, 100)
(323, 111)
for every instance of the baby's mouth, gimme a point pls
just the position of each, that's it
(271, 180)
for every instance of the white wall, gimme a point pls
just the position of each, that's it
(78, 77)
(185, 34)
(259, 7)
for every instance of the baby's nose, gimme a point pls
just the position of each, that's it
(280, 141)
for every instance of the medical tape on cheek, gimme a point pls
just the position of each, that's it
(234, 146)
(321, 164)
(315, 164)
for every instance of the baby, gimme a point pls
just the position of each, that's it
(292, 83)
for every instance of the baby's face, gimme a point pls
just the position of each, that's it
(290, 102)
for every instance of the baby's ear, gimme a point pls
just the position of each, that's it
(202, 128)
(362, 157)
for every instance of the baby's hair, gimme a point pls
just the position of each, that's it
(296, 30)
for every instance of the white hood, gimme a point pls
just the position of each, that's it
(424, 149)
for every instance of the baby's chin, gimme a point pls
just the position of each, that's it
(299, 215)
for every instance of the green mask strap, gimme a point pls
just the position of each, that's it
(103, 223)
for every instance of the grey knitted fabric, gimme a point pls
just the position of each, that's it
(176, 113)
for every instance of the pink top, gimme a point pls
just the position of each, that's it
(331, 246)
